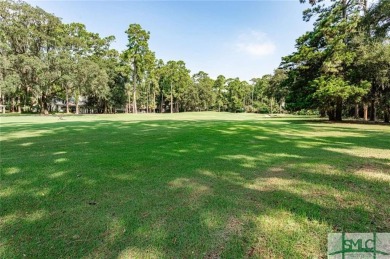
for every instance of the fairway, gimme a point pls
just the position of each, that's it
(188, 185)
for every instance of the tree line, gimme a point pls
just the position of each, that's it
(44, 59)
(340, 68)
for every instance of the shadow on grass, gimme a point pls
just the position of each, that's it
(189, 188)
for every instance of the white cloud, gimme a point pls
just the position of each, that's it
(255, 44)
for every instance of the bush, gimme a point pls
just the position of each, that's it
(260, 107)
(307, 112)
(250, 109)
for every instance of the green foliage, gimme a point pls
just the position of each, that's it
(235, 95)
(47, 59)
(175, 80)
(204, 88)
(342, 61)
(307, 112)
(330, 89)
(219, 89)
(44, 60)
(377, 19)
(138, 56)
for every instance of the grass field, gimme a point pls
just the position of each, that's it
(193, 185)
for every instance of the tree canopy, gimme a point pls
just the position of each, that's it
(339, 68)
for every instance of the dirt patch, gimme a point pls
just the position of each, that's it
(372, 172)
(278, 172)
(233, 227)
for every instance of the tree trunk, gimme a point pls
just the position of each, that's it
(135, 90)
(44, 108)
(322, 113)
(147, 104)
(161, 104)
(77, 106)
(365, 111)
(67, 102)
(356, 111)
(339, 109)
(18, 104)
(365, 6)
(387, 114)
(331, 114)
(147, 100)
(373, 111)
(154, 102)
(3, 102)
(128, 103)
(253, 89)
(135, 102)
(344, 9)
(171, 99)
(12, 106)
(26, 96)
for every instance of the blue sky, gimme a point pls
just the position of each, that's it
(243, 39)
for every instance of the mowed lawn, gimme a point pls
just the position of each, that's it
(191, 185)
